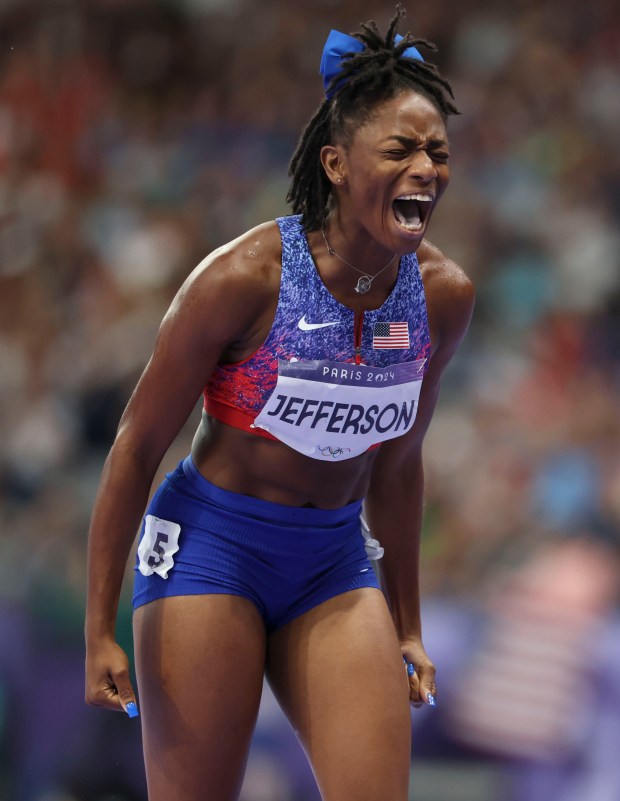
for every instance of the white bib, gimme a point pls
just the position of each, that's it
(335, 410)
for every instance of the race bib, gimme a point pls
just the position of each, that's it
(158, 545)
(334, 410)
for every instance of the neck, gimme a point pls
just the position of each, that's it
(353, 243)
(365, 277)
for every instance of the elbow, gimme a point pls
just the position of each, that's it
(397, 477)
(135, 451)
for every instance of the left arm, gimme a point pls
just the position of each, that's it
(395, 497)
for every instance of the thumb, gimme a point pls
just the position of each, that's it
(125, 693)
(428, 688)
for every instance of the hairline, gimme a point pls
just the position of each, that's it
(348, 127)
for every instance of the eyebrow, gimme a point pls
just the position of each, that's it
(407, 141)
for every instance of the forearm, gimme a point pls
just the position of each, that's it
(120, 503)
(394, 514)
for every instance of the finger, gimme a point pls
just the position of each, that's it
(414, 682)
(125, 694)
(427, 688)
(103, 693)
(414, 691)
(116, 694)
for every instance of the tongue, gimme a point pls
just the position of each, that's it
(407, 212)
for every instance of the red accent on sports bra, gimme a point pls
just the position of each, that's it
(237, 419)
(234, 417)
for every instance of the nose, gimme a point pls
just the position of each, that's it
(422, 166)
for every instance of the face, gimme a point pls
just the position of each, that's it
(393, 171)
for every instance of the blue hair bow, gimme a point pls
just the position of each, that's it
(340, 44)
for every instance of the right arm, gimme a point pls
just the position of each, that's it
(216, 309)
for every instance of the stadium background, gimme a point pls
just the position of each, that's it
(136, 136)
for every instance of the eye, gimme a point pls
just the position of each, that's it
(396, 154)
(439, 155)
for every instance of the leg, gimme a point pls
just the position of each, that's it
(200, 663)
(338, 673)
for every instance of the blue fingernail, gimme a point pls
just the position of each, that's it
(132, 710)
(431, 699)
(410, 669)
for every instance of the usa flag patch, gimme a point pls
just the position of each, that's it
(390, 335)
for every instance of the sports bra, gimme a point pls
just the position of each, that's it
(327, 381)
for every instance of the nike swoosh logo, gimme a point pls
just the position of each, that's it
(304, 326)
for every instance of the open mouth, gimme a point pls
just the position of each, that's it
(411, 211)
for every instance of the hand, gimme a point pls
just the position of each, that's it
(422, 679)
(107, 678)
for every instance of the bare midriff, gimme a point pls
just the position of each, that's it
(262, 468)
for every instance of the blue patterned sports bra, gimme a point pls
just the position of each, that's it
(327, 381)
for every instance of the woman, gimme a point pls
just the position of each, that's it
(312, 335)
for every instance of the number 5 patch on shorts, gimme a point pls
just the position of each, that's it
(158, 545)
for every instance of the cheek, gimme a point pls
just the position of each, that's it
(444, 180)
(369, 186)
(364, 192)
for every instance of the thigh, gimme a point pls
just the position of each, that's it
(338, 673)
(200, 664)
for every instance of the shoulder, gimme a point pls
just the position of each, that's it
(450, 295)
(225, 298)
(250, 263)
(238, 277)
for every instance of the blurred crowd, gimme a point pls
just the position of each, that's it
(135, 137)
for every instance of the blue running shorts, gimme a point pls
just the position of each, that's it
(198, 539)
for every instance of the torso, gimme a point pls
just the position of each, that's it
(329, 382)
(260, 467)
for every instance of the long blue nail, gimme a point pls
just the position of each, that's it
(132, 710)
(431, 699)
(410, 669)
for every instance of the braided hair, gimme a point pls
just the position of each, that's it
(374, 75)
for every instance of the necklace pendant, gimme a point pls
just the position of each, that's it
(363, 284)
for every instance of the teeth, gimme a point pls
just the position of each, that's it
(408, 210)
(425, 198)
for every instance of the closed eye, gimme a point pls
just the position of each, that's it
(396, 154)
(436, 155)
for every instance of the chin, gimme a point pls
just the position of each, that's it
(407, 240)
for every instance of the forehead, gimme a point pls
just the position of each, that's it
(409, 114)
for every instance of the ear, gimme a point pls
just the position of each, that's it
(332, 159)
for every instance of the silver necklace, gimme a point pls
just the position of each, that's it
(365, 281)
